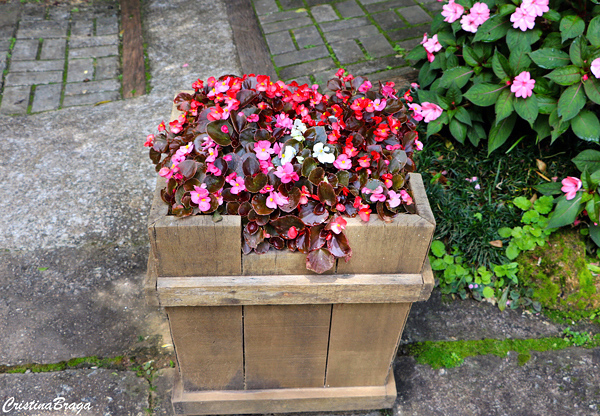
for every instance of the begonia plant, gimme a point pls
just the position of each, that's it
(497, 67)
(291, 161)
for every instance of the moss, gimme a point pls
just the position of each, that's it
(523, 358)
(74, 363)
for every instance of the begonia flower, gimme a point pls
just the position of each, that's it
(343, 162)
(263, 150)
(365, 86)
(286, 173)
(406, 197)
(288, 154)
(430, 111)
(338, 225)
(393, 199)
(149, 140)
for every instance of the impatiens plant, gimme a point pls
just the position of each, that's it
(499, 66)
(292, 162)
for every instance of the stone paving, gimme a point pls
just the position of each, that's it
(60, 56)
(309, 39)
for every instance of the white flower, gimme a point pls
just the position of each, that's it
(300, 159)
(298, 129)
(321, 152)
(287, 155)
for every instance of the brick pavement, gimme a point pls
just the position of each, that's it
(309, 39)
(59, 56)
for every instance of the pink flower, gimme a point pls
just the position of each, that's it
(430, 111)
(468, 23)
(267, 189)
(286, 173)
(388, 90)
(394, 199)
(376, 105)
(418, 145)
(343, 162)
(570, 186)
(211, 168)
(213, 152)
(283, 121)
(366, 86)
(595, 67)
(276, 199)
(338, 225)
(416, 108)
(263, 150)
(237, 184)
(535, 7)
(406, 197)
(522, 85)
(149, 140)
(452, 11)
(377, 195)
(252, 118)
(201, 197)
(480, 13)
(523, 19)
(431, 45)
(266, 166)
(225, 129)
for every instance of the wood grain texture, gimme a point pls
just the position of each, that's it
(428, 281)
(363, 343)
(279, 262)
(209, 347)
(150, 292)
(134, 71)
(283, 400)
(289, 290)
(252, 49)
(285, 346)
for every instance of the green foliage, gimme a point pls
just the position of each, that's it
(472, 75)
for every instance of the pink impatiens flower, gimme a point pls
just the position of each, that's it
(522, 85)
(452, 11)
(536, 7)
(468, 23)
(342, 162)
(523, 18)
(416, 108)
(570, 187)
(430, 111)
(480, 13)
(595, 67)
(263, 150)
(431, 45)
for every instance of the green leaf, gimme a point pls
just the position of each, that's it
(458, 130)
(565, 212)
(512, 251)
(493, 29)
(505, 232)
(515, 38)
(571, 26)
(576, 50)
(595, 234)
(592, 210)
(426, 75)
(586, 126)
(469, 56)
(500, 132)
(446, 38)
(427, 96)
(454, 94)
(500, 66)
(567, 75)
(437, 124)
(459, 75)
(213, 129)
(484, 94)
(519, 58)
(522, 203)
(544, 204)
(593, 32)
(587, 160)
(550, 58)
(592, 89)
(476, 133)
(488, 292)
(542, 127)
(530, 217)
(416, 54)
(438, 248)
(558, 125)
(571, 102)
(463, 116)
(504, 105)
(553, 16)
(549, 188)
(527, 108)
(546, 87)
(546, 104)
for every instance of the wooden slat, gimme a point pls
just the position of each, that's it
(363, 342)
(208, 344)
(134, 71)
(150, 292)
(428, 281)
(277, 262)
(289, 290)
(251, 47)
(283, 400)
(421, 200)
(285, 346)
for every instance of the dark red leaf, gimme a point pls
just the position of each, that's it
(338, 246)
(255, 183)
(188, 168)
(327, 194)
(263, 247)
(250, 165)
(316, 175)
(244, 209)
(317, 237)
(307, 215)
(283, 224)
(259, 203)
(253, 240)
(320, 261)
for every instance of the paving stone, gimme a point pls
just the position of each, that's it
(349, 8)
(344, 24)
(375, 65)
(351, 33)
(347, 51)
(81, 88)
(279, 16)
(414, 15)
(59, 13)
(53, 49)
(280, 42)
(377, 46)
(46, 98)
(90, 99)
(33, 78)
(291, 4)
(388, 20)
(286, 24)
(15, 100)
(408, 33)
(408, 45)
(33, 12)
(402, 76)
(388, 5)
(42, 29)
(307, 36)
(7, 31)
(303, 80)
(263, 7)
(107, 26)
(322, 77)
(324, 13)
(82, 28)
(163, 382)
(36, 66)
(89, 41)
(434, 7)
(93, 51)
(4, 45)
(79, 70)
(365, 2)
(2, 63)
(311, 3)
(428, 1)
(307, 68)
(304, 55)
(96, 392)
(25, 49)
(107, 68)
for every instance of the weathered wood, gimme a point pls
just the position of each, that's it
(134, 71)
(363, 342)
(285, 346)
(284, 400)
(252, 49)
(418, 189)
(289, 290)
(428, 281)
(209, 347)
(277, 262)
(150, 292)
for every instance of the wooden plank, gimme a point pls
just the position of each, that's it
(209, 346)
(289, 290)
(283, 400)
(421, 200)
(428, 281)
(134, 71)
(363, 343)
(285, 345)
(252, 49)
(277, 262)
(150, 292)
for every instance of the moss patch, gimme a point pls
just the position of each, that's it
(559, 275)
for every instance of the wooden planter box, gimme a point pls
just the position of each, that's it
(261, 334)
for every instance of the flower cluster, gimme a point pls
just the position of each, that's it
(523, 17)
(291, 161)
